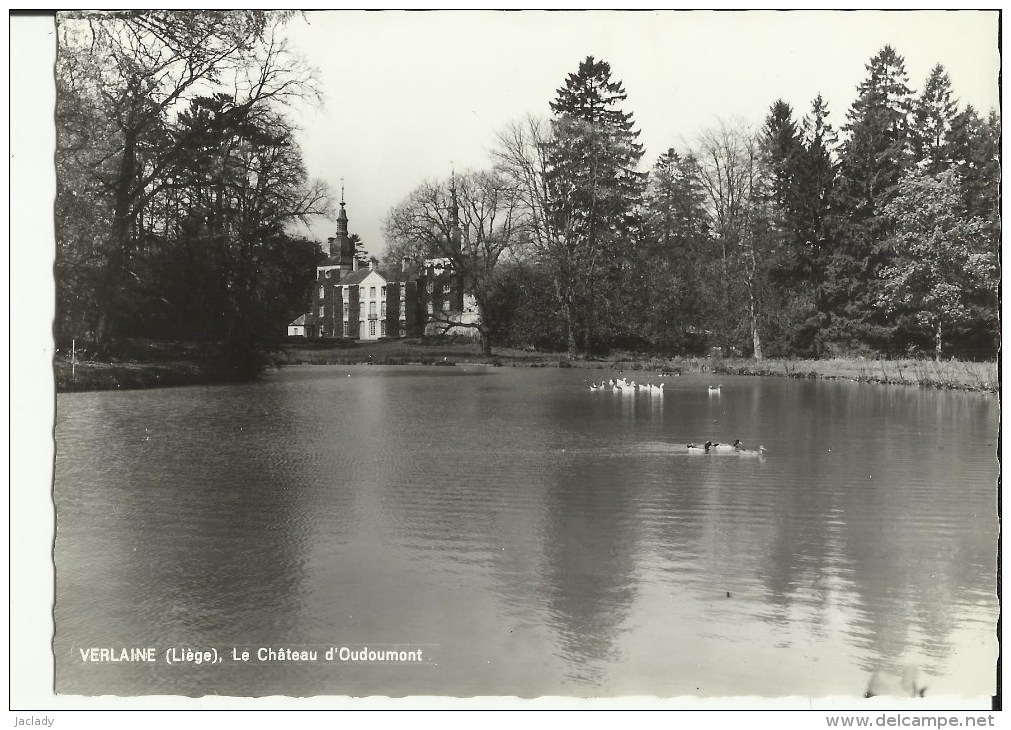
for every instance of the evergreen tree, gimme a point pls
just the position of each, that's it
(816, 175)
(675, 204)
(595, 194)
(781, 151)
(815, 180)
(933, 114)
(873, 158)
(782, 156)
(677, 230)
(794, 179)
(876, 151)
(361, 253)
(973, 146)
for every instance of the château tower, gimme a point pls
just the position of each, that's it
(340, 248)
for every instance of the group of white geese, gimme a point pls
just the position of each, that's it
(621, 386)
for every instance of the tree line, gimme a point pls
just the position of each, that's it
(789, 239)
(178, 178)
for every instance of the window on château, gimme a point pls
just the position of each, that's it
(321, 291)
(430, 287)
(372, 292)
(383, 292)
(346, 329)
(372, 310)
(322, 311)
(445, 306)
(382, 328)
(346, 310)
(372, 328)
(430, 309)
(382, 309)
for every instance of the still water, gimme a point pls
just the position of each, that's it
(525, 536)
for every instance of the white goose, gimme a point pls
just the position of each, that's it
(715, 389)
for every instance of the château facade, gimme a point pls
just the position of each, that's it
(355, 299)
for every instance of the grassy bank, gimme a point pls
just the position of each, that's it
(955, 375)
(93, 375)
(139, 363)
(945, 374)
(155, 365)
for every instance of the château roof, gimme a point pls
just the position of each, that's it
(357, 277)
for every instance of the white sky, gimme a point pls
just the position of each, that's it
(407, 94)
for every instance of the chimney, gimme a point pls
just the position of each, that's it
(354, 263)
(329, 246)
(403, 264)
(373, 262)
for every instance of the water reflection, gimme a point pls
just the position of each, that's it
(590, 545)
(535, 537)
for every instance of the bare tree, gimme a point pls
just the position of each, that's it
(523, 154)
(732, 178)
(477, 230)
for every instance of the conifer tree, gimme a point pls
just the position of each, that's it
(876, 151)
(873, 158)
(973, 147)
(816, 175)
(595, 196)
(781, 148)
(677, 229)
(933, 113)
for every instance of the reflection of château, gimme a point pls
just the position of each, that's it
(357, 300)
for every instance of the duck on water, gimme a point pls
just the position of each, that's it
(709, 447)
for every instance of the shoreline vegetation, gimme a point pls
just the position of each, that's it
(148, 365)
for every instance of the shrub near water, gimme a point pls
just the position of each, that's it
(950, 374)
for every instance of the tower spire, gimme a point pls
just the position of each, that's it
(454, 211)
(342, 216)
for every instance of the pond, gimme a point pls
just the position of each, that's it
(508, 531)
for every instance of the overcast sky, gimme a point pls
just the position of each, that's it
(410, 94)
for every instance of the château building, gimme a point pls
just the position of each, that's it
(355, 299)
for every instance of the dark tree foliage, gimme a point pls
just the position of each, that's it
(594, 203)
(873, 157)
(673, 268)
(933, 114)
(178, 177)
